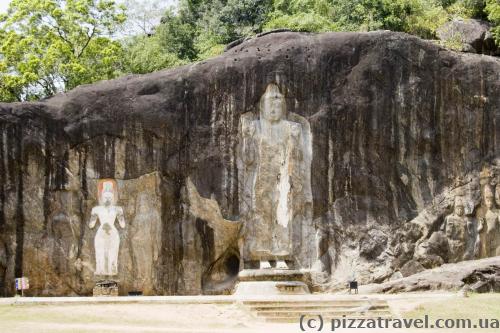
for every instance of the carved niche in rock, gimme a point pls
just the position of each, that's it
(275, 181)
(275, 200)
(226, 239)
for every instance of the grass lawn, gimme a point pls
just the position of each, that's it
(474, 307)
(118, 318)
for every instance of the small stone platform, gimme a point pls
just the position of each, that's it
(271, 282)
(105, 288)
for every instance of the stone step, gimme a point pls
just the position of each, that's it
(297, 319)
(290, 311)
(319, 307)
(346, 303)
(326, 314)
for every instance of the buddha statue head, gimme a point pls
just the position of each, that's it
(489, 197)
(107, 198)
(459, 207)
(272, 104)
(107, 192)
(143, 204)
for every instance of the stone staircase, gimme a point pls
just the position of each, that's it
(290, 310)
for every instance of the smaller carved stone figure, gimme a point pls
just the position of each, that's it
(107, 239)
(489, 225)
(146, 242)
(459, 231)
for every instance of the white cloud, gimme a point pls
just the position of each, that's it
(4, 4)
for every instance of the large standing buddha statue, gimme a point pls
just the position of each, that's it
(272, 151)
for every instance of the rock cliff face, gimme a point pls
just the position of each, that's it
(399, 127)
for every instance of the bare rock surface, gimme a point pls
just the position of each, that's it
(478, 275)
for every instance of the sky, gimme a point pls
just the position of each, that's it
(155, 8)
(3, 5)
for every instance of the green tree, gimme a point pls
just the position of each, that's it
(493, 11)
(177, 35)
(233, 19)
(55, 45)
(303, 15)
(201, 28)
(145, 54)
(419, 17)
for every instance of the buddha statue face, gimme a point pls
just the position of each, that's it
(489, 197)
(143, 204)
(272, 104)
(248, 129)
(459, 210)
(489, 202)
(107, 198)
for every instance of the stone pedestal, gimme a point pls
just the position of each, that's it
(271, 282)
(105, 288)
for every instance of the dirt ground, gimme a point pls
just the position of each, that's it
(161, 317)
(123, 318)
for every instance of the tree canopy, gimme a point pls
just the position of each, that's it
(493, 10)
(48, 46)
(54, 45)
(211, 24)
